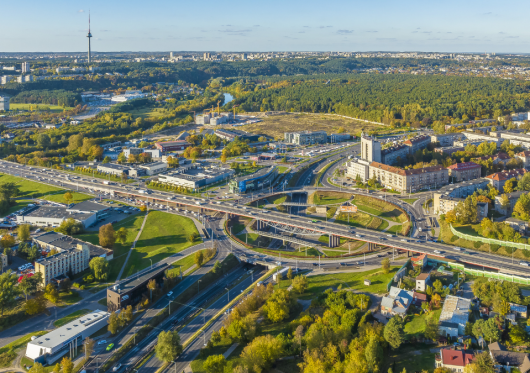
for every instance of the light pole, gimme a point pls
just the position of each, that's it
(170, 306)
(151, 262)
(198, 286)
(228, 294)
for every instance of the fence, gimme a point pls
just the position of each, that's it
(469, 237)
(399, 275)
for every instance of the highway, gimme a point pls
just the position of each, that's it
(116, 190)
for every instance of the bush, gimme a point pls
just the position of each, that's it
(454, 238)
(494, 247)
(509, 250)
(526, 253)
(477, 244)
(88, 279)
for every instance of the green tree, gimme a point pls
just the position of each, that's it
(261, 353)
(385, 265)
(51, 293)
(23, 232)
(70, 227)
(300, 284)
(67, 365)
(277, 307)
(484, 363)
(107, 159)
(518, 335)
(107, 236)
(215, 364)
(374, 354)
(491, 331)
(68, 197)
(199, 258)
(36, 305)
(290, 273)
(168, 347)
(37, 368)
(57, 368)
(100, 268)
(8, 292)
(121, 235)
(432, 329)
(113, 323)
(394, 334)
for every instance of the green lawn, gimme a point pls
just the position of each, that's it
(218, 349)
(363, 220)
(185, 264)
(329, 198)
(416, 325)
(29, 188)
(103, 302)
(282, 169)
(163, 235)
(59, 197)
(51, 108)
(237, 228)
(278, 199)
(20, 203)
(410, 200)
(254, 239)
(74, 315)
(380, 208)
(395, 229)
(414, 358)
(67, 299)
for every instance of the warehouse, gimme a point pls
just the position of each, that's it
(167, 146)
(50, 347)
(53, 216)
(194, 176)
(154, 168)
(113, 169)
(131, 290)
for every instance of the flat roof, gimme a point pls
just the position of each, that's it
(54, 212)
(259, 173)
(88, 206)
(131, 283)
(70, 330)
(114, 166)
(455, 310)
(66, 243)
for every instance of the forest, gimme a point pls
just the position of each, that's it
(52, 97)
(390, 98)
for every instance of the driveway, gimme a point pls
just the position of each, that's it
(467, 292)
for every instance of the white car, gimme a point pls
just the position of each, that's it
(524, 264)
(437, 252)
(116, 368)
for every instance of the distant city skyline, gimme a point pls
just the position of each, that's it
(451, 26)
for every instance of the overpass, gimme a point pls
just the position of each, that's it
(231, 209)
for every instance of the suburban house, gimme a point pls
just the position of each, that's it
(397, 302)
(418, 298)
(454, 360)
(520, 311)
(509, 359)
(423, 280)
(420, 260)
(454, 316)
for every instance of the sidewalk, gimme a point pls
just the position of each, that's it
(132, 247)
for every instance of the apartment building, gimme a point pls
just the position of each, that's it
(464, 171)
(306, 137)
(446, 139)
(359, 167)
(4, 103)
(72, 260)
(417, 143)
(498, 179)
(525, 157)
(447, 197)
(370, 149)
(409, 180)
(513, 197)
(390, 155)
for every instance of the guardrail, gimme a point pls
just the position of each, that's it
(469, 237)
(493, 275)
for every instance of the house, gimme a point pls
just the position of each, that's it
(520, 311)
(454, 316)
(397, 302)
(508, 359)
(418, 298)
(519, 225)
(525, 157)
(423, 280)
(498, 179)
(464, 171)
(419, 261)
(454, 360)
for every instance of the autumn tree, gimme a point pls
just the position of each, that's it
(67, 365)
(300, 284)
(385, 265)
(199, 258)
(23, 232)
(215, 364)
(168, 347)
(107, 236)
(51, 293)
(68, 197)
(394, 334)
(121, 235)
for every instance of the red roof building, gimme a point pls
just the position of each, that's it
(172, 145)
(498, 179)
(454, 360)
(464, 171)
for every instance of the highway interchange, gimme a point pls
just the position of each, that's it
(157, 200)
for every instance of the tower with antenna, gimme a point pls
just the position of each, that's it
(89, 36)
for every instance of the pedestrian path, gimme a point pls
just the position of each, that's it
(230, 350)
(132, 248)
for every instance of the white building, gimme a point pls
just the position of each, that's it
(454, 316)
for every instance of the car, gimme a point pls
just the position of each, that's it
(404, 240)
(358, 235)
(116, 368)
(390, 235)
(169, 293)
(102, 342)
(109, 347)
(524, 264)
(437, 252)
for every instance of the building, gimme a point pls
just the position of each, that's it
(69, 246)
(423, 280)
(498, 179)
(506, 360)
(25, 67)
(370, 149)
(393, 154)
(306, 137)
(447, 197)
(446, 139)
(4, 262)
(448, 150)
(525, 157)
(397, 302)
(518, 225)
(128, 95)
(418, 298)
(454, 360)
(4, 103)
(358, 167)
(464, 171)
(519, 310)
(155, 153)
(133, 289)
(154, 168)
(109, 145)
(67, 261)
(53, 216)
(6, 79)
(114, 169)
(259, 179)
(339, 137)
(454, 316)
(167, 146)
(50, 347)
(133, 151)
(411, 180)
(513, 197)
(194, 176)
(417, 143)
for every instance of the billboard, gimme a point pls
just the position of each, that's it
(351, 208)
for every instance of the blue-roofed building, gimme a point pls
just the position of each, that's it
(259, 179)
(397, 302)
(520, 311)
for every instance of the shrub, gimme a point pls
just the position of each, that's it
(509, 250)
(477, 244)
(526, 253)
(454, 238)
(494, 247)
(88, 279)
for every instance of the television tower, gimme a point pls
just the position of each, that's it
(89, 36)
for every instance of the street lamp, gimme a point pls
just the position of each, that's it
(151, 262)
(198, 286)
(170, 306)
(228, 294)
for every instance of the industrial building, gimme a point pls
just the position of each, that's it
(259, 179)
(131, 290)
(153, 168)
(113, 169)
(53, 216)
(194, 176)
(231, 135)
(50, 347)
(454, 316)
(306, 137)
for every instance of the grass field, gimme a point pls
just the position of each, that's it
(360, 219)
(149, 112)
(416, 326)
(311, 252)
(410, 200)
(6, 358)
(59, 197)
(319, 283)
(278, 124)
(164, 234)
(51, 108)
(328, 198)
(74, 315)
(20, 203)
(254, 239)
(185, 264)
(28, 188)
(414, 358)
(378, 207)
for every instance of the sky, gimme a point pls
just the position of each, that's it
(273, 25)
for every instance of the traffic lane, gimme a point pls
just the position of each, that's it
(198, 322)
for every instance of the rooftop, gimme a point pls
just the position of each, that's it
(260, 173)
(506, 175)
(66, 243)
(54, 212)
(455, 357)
(455, 310)
(70, 330)
(402, 172)
(464, 166)
(170, 143)
(135, 281)
(88, 206)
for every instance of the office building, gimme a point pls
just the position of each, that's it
(454, 316)
(259, 179)
(167, 146)
(53, 216)
(412, 180)
(464, 171)
(4, 103)
(49, 348)
(153, 168)
(133, 151)
(306, 137)
(133, 289)
(358, 167)
(194, 176)
(370, 149)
